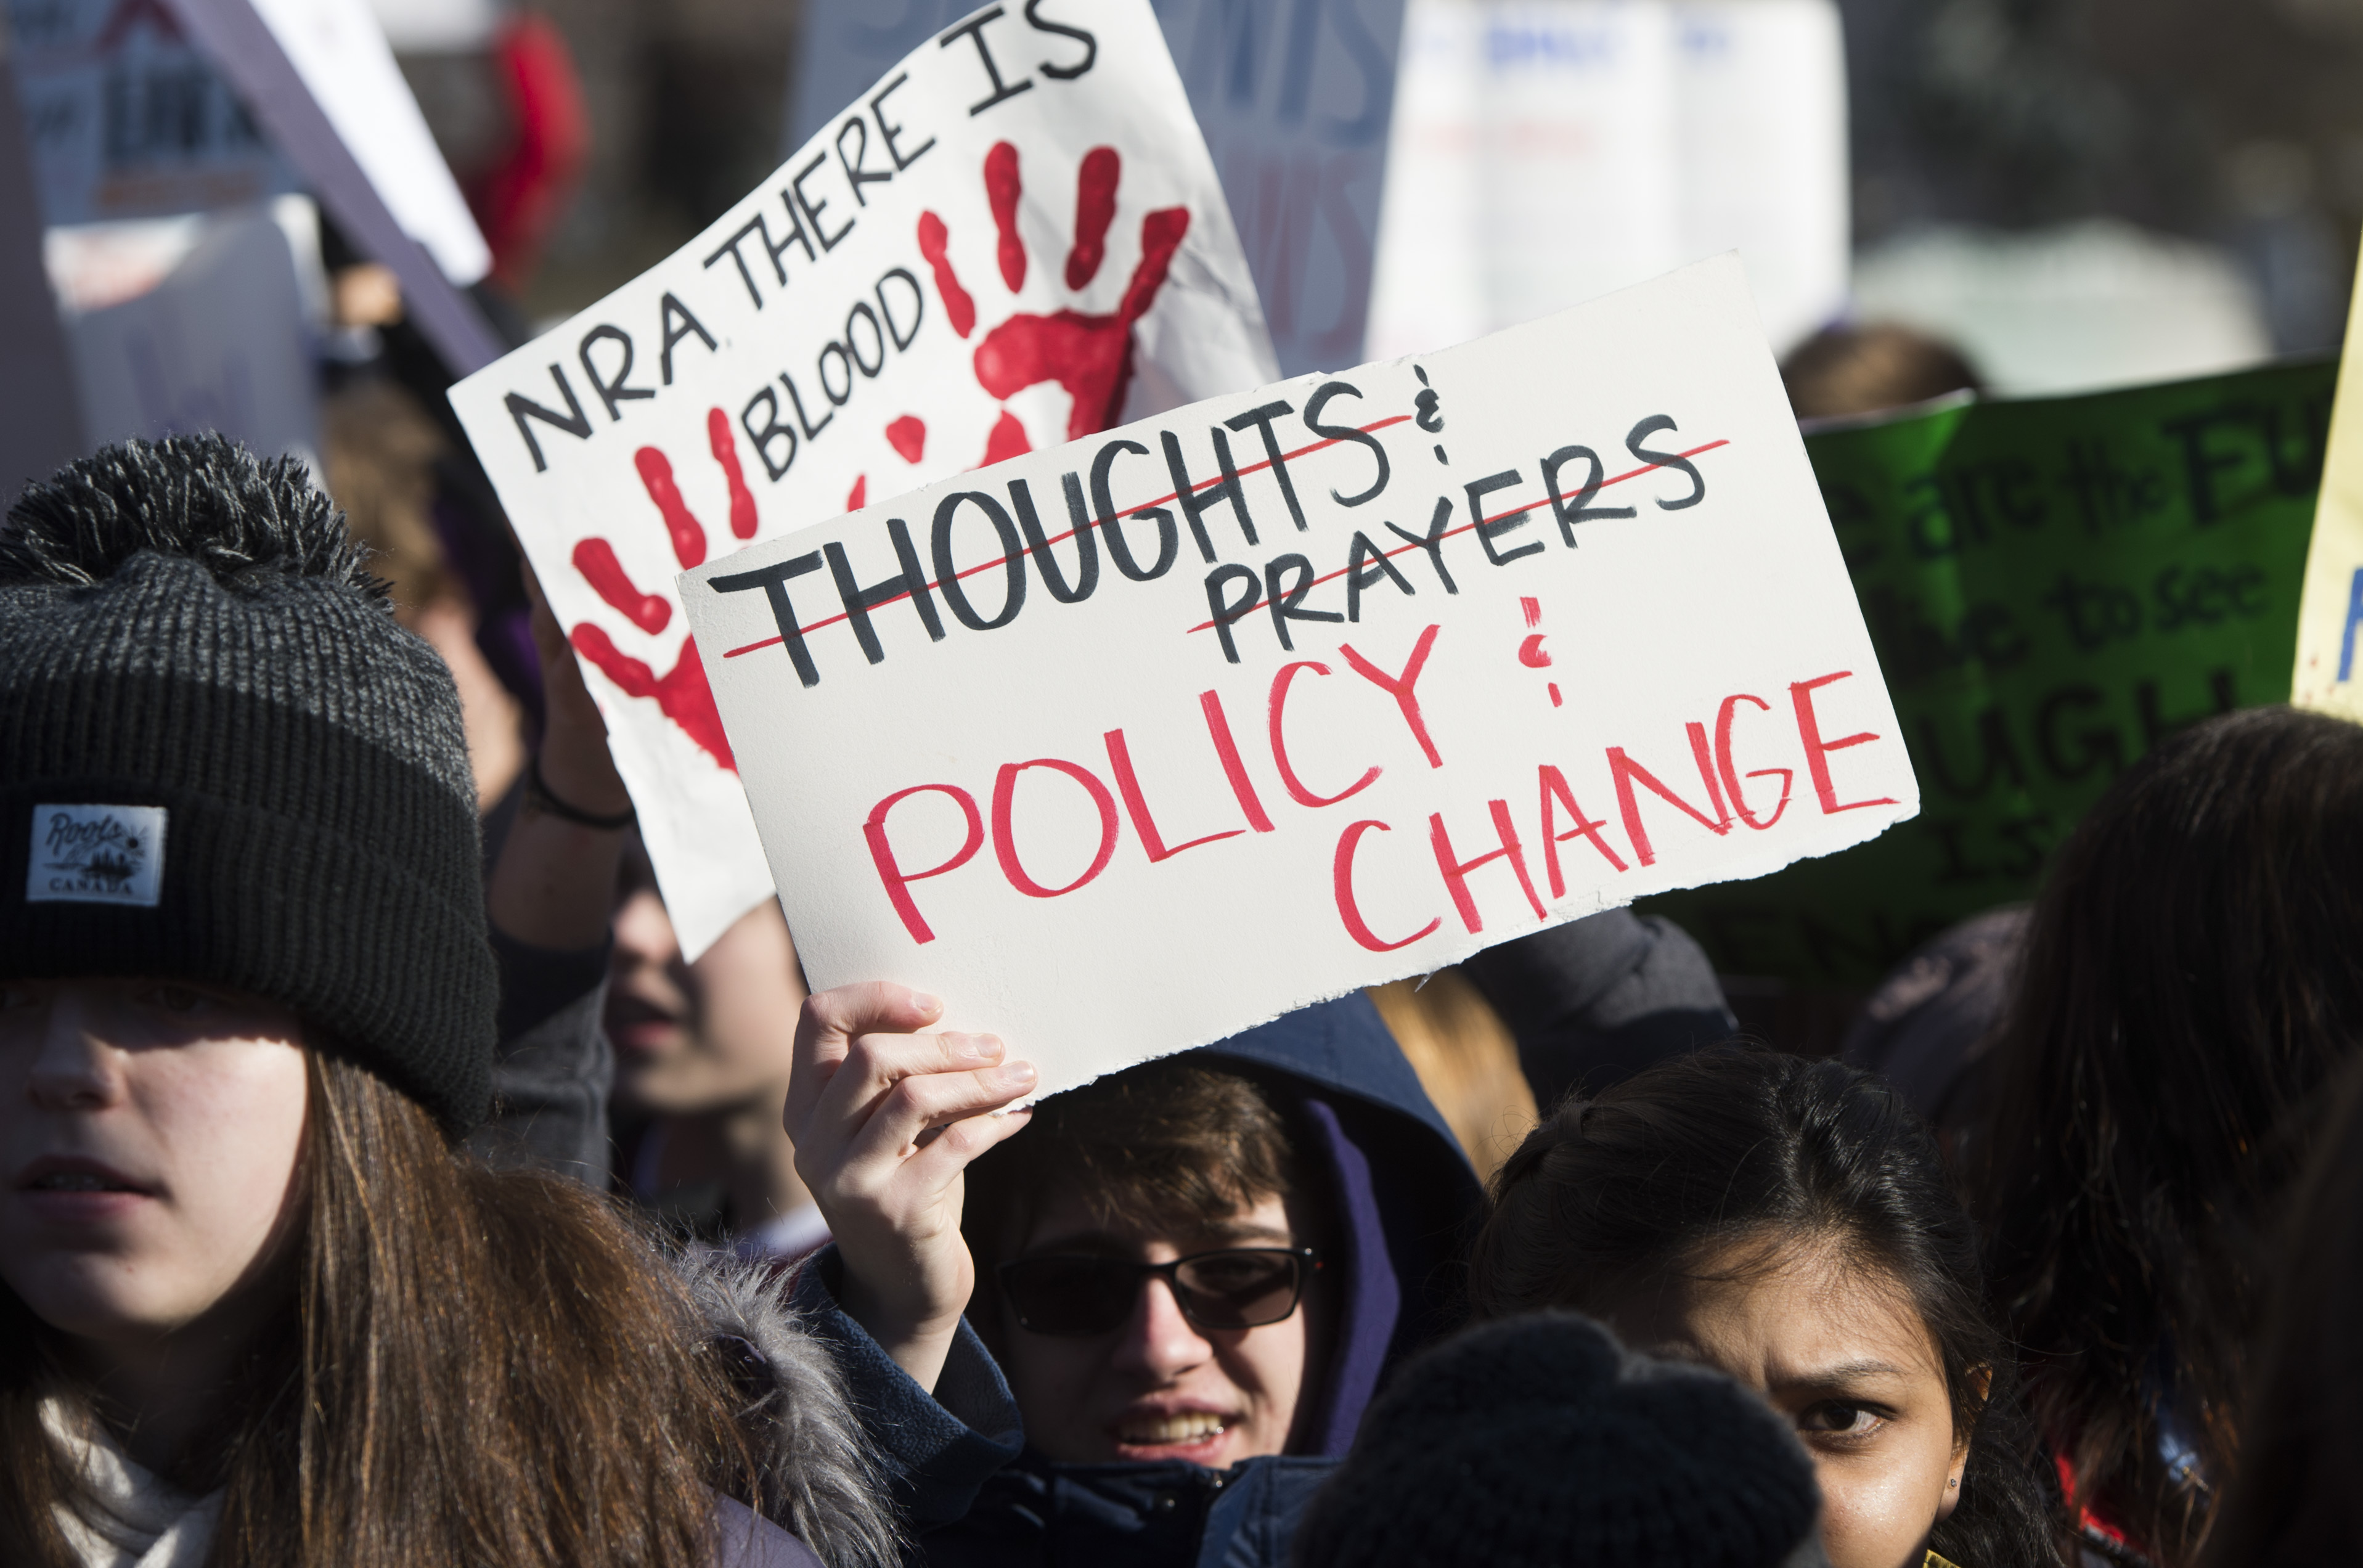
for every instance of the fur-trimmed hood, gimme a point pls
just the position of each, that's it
(818, 1476)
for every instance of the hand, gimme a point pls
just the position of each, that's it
(575, 763)
(885, 1122)
(554, 885)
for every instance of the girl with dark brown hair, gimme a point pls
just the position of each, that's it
(258, 1305)
(2189, 984)
(1791, 1224)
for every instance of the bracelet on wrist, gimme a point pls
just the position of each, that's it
(539, 797)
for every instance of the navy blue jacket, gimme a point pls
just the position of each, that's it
(1406, 1200)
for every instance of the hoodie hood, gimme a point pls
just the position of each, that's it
(1402, 1194)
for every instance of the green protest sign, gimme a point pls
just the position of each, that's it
(2052, 584)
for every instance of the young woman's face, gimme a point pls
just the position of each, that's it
(709, 1036)
(1158, 1387)
(1840, 1350)
(149, 1138)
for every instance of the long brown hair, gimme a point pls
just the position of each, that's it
(1615, 1197)
(472, 1367)
(2190, 985)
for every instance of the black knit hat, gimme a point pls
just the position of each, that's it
(222, 761)
(1537, 1441)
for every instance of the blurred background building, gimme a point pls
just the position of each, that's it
(2075, 191)
(685, 101)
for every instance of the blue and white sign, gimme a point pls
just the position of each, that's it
(125, 118)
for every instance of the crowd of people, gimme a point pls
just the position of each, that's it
(384, 1188)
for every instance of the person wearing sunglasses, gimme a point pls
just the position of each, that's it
(1190, 1277)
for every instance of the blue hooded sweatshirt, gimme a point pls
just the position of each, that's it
(1406, 1201)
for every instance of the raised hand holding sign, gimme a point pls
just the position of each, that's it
(910, 295)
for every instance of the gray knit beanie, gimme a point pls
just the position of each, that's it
(1537, 1441)
(222, 761)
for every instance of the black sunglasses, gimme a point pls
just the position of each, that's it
(1236, 1287)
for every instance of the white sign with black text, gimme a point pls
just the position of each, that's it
(1126, 746)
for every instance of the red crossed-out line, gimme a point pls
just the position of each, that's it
(1000, 561)
(1238, 615)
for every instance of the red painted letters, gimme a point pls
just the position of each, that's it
(1817, 751)
(1278, 708)
(1004, 844)
(1402, 687)
(1625, 772)
(1731, 776)
(1127, 784)
(898, 881)
(1456, 871)
(1555, 794)
(1341, 880)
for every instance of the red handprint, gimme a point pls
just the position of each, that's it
(1089, 356)
(681, 691)
(908, 436)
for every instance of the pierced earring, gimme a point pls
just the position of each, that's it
(1956, 1481)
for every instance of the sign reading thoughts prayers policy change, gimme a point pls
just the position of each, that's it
(1013, 238)
(1124, 746)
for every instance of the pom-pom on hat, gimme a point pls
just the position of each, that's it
(1538, 1441)
(222, 761)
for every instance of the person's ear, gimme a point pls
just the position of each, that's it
(1980, 1379)
(1952, 1498)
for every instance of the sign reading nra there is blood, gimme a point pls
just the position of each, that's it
(1013, 238)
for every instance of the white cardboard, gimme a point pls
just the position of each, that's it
(821, 371)
(1679, 638)
(318, 77)
(1546, 151)
(338, 49)
(1294, 100)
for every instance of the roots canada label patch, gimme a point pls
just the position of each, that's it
(97, 854)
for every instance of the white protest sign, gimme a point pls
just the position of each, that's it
(1013, 238)
(128, 119)
(1763, 137)
(1124, 746)
(1293, 98)
(218, 345)
(152, 108)
(1545, 151)
(320, 78)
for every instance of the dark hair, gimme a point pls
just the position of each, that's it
(472, 1367)
(1615, 1197)
(1172, 1143)
(2188, 986)
(1861, 370)
(2294, 1499)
